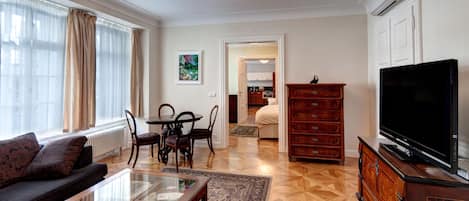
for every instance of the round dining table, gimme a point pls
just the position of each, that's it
(169, 121)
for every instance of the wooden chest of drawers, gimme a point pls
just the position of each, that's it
(316, 121)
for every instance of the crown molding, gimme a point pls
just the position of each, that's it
(263, 16)
(118, 10)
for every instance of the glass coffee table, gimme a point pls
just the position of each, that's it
(143, 186)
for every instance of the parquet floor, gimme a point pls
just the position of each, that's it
(291, 181)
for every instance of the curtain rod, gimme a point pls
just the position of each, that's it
(88, 12)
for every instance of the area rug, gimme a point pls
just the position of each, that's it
(244, 131)
(231, 187)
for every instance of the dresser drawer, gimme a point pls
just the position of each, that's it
(316, 91)
(316, 140)
(302, 105)
(319, 127)
(320, 115)
(316, 152)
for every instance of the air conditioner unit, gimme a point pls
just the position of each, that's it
(384, 7)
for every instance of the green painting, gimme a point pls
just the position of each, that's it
(189, 67)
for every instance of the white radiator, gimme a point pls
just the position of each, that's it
(106, 141)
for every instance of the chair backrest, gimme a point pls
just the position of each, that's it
(131, 122)
(189, 123)
(166, 106)
(213, 117)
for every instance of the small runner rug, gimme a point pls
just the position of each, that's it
(231, 187)
(244, 131)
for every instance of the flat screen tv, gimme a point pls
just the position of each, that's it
(419, 110)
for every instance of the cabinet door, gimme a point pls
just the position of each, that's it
(369, 170)
(383, 50)
(402, 36)
(390, 186)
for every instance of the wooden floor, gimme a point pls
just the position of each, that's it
(291, 181)
(251, 119)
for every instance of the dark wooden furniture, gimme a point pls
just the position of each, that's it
(233, 108)
(169, 120)
(383, 177)
(255, 98)
(177, 140)
(316, 121)
(274, 82)
(192, 188)
(143, 139)
(165, 109)
(206, 133)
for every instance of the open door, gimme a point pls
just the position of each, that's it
(242, 92)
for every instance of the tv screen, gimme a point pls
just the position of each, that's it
(418, 105)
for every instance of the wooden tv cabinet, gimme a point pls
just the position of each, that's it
(383, 177)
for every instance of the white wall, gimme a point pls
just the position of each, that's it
(335, 48)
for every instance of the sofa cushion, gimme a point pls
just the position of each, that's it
(57, 189)
(85, 158)
(15, 156)
(56, 159)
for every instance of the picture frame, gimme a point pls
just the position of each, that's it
(189, 68)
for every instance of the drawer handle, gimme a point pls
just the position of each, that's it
(314, 104)
(314, 116)
(315, 127)
(315, 152)
(314, 92)
(315, 139)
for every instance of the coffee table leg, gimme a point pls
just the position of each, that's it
(205, 197)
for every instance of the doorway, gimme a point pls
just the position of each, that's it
(261, 75)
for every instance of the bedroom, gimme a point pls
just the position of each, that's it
(253, 108)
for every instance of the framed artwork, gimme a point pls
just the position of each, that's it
(189, 69)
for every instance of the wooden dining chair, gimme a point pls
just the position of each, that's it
(206, 133)
(179, 140)
(168, 109)
(142, 139)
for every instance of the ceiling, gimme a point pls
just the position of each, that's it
(191, 12)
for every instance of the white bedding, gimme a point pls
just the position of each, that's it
(267, 115)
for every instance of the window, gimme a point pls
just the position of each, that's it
(112, 71)
(32, 41)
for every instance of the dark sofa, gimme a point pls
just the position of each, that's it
(85, 174)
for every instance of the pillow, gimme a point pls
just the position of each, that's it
(56, 159)
(272, 101)
(15, 156)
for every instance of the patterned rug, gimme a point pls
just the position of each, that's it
(231, 187)
(244, 131)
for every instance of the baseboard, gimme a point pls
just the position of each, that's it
(353, 153)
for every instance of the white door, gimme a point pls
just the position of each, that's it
(402, 37)
(242, 92)
(383, 50)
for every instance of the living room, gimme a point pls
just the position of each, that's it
(71, 68)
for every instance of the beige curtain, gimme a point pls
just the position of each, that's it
(80, 71)
(136, 75)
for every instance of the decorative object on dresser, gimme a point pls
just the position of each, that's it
(316, 121)
(382, 176)
(315, 79)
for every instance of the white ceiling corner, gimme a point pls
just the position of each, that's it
(188, 12)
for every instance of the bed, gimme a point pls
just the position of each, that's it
(267, 121)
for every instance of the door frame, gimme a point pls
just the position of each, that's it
(280, 75)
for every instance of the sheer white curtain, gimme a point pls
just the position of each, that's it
(112, 71)
(31, 71)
